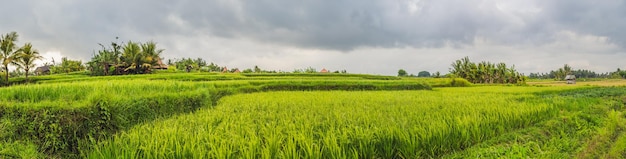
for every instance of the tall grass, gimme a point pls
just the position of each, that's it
(336, 124)
(57, 116)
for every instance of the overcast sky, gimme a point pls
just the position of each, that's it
(360, 36)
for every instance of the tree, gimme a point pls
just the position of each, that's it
(257, 69)
(8, 51)
(132, 56)
(423, 74)
(100, 63)
(151, 56)
(26, 57)
(567, 69)
(66, 66)
(485, 72)
(310, 70)
(402, 73)
(437, 74)
(247, 70)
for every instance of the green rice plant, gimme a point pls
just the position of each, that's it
(335, 124)
(19, 149)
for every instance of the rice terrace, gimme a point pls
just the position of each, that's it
(64, 95)
(226, 115)
(180, 113)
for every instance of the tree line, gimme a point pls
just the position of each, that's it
(560, 73)
(404, 73)
(486, 72)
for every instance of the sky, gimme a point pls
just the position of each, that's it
(360, 36)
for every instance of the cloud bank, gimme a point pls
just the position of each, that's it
(363, 36)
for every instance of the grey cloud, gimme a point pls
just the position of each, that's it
(76, 26)
(336, 25)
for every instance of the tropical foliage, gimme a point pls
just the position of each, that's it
(22, 57)
(67, 65)
(131, 58)
(8, 52)
(26, 57)
(486, 72)
(560, 73)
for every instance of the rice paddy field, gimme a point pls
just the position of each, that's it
(209, 115)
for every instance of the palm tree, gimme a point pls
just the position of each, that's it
(132, 55)
(151, 54)
(25, 58)
(7, 51)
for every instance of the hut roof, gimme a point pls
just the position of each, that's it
(160, 65)
(324, 71)
(42, 69)
(570, 77)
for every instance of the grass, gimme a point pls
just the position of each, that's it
(19, 149)
(57, 115)
(214, 115)
(588, 125)
(390, 124)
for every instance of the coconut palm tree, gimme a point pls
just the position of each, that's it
(133, 56)
(25, 58)
(8, 51)
(151, 54)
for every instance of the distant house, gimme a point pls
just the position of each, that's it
(225, 70)
(160, 65)
(571, 79)
(43, 70)
(324, 71)
(237, 71)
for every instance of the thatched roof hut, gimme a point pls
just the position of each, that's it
(42, 70)
(571, 79)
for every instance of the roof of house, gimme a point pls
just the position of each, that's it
(160, 65)
(324, 71)
(42, 69)
(569, 77)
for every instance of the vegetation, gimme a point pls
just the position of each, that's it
(59, 116)
(402, 72)
(8, 52)
(390, 124)
(200, 110)
(67, 66)
(23, 57)
(559, 74)
(330, 125)
(423, 74)
(131, 58)
(486, 72)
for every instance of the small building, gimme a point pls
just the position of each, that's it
(571, 79)
(160, 65)
(225, 70)
(324, 71)
(43, 70)
(237, 71)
